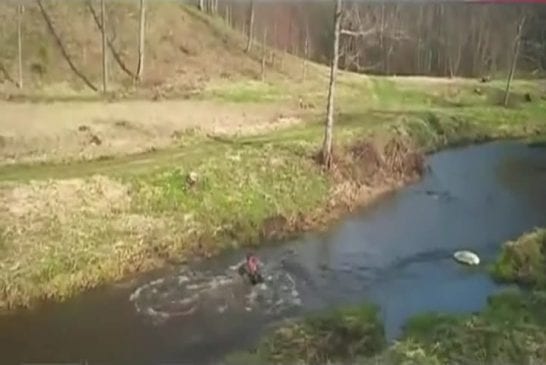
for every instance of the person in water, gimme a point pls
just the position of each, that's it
(251, 268)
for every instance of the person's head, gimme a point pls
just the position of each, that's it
(249, 255)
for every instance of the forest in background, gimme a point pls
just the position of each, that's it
(155, 42)
(392, 38)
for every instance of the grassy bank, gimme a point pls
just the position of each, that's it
(510, 330)
(62, 235)
(67, 227)
(523, 261)
(335, 336)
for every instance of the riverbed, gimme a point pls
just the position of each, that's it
(396, 253)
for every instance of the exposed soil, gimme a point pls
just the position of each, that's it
(362, 173)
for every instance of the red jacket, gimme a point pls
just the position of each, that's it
(253, 264)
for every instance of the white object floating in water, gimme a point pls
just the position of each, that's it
(467, 257)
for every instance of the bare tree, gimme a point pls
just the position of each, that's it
(264, 52)
(454, 40)
(104, 47)
(141, 40)
(517, 42)
(250, 28)
(63, 50)
(113, 50)
(211, 6)
(20, 10)
(327, 144)
(5, 73)
(305, 53)
(227, 14)
(201, 5)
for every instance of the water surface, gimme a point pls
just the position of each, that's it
(396, 253)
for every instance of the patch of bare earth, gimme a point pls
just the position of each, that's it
(362, 173)
(88, 130)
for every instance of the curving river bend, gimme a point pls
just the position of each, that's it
(396, 254)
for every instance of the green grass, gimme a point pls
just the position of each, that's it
(511, 329)
(57, 240)
(320, 339)
(523, 261)
(246, 91)
(236, 191)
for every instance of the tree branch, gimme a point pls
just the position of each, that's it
(395, 35)
(115, 54)
(63, 50)
(363, 34)
(7, 76)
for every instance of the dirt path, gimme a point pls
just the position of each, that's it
(88, 130)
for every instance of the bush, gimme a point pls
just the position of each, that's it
(523, 261)
(338, 335)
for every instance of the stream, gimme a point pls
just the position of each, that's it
(396, 253)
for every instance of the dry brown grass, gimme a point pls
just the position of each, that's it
(62, 235)
(185, 48)
(87, 130)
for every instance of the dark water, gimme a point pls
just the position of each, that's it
(396, 254)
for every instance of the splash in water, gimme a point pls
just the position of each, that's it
(189, 291)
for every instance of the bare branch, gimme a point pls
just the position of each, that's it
(7, 76)
(115, 54)
(372, 31)
(250, 21)
(363, 34)
(104, 47)
(62, 48)
(141, 39)
(20, 10)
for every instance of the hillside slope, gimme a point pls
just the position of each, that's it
(184, 48)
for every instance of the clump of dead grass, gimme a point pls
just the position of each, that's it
(61, 236)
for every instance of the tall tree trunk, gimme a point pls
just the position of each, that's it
(230, 15)
(458, 58)
(382, 38)
(250, 26)
(327, 144)
(264, 52)
(20, 44)
(104, 47)
(419, 40)
(275, 43)
(201, 5)
(113, 51)
(517, 42)
(305, 53)
(141, 40)
(226, 15)
(63, 50)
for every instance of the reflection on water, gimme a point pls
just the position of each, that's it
(397, 254)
